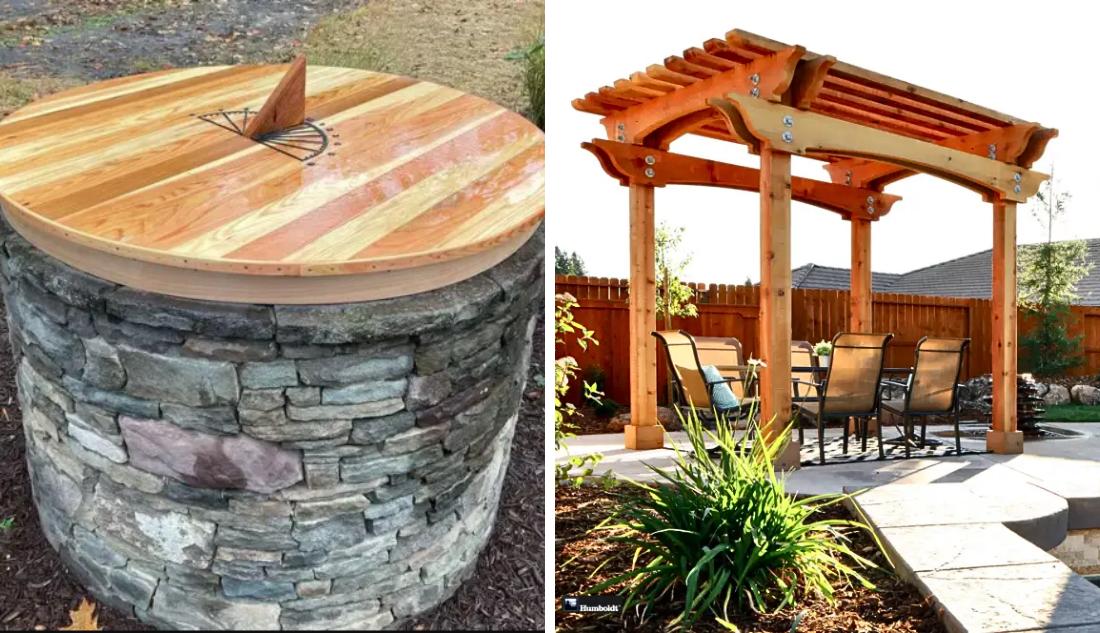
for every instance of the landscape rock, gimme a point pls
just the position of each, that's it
(1056, 395)
(192, 381)
(1085, 394)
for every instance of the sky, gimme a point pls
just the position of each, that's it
(1034, 64)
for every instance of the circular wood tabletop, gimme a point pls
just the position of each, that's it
(148, 180)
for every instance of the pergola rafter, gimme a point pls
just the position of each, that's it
(869, 129)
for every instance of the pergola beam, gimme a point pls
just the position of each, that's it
(767, 78)
(809, 133)
(632, 164)
(1019, 144)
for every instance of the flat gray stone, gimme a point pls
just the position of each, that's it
(96, 442)
(233, 350)
(209, 461)
(262, 399)
(192, 381)
(427, 391)
(169, 536)
(940, 547)
(335, 533)
(300, 431)
(1040, 596)
(375, 430)
(111, 400)
(217, 319)
(102, 367)
(345, 411)
(265, 590)
(178, 606)
(280, 373)
(342, 370)
(221, 419)
(364, 392)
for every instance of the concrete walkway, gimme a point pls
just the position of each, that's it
(972, 531)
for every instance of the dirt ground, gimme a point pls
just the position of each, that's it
(584, 560)
(48, 45)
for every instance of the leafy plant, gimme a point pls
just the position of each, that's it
(722, 535)
(823, 348)
(674, 297)
(1049, 273)
(565, 370)
(7, 524)
(606, 408)
(533, 58)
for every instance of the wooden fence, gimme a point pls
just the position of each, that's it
(726, 310)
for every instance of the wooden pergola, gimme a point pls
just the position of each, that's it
(869, 129)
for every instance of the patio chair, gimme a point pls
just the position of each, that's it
(802, 355)
(933, 388)
(692, 390)
(850, 388)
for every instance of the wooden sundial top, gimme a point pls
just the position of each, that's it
(388, 186)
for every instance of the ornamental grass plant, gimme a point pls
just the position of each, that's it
(718, 534)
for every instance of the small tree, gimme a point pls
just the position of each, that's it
(1049, 273)
(673, 295)
(568, 263)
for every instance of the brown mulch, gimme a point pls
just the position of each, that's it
(505, 593)
(893, 607)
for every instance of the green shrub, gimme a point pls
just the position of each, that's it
(722, 534)
(605, 408)
(533, 58)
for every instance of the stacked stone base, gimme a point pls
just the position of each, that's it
(231, 466)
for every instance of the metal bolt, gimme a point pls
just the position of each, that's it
(848, 177)
(649, 160)
(1016, 189)
(788, 120)
(755, 78)
(870, 200)
(649, 172)
(755, 91)
(620, 138)
(788, 137)
(1018, 177)
(993, 150)
(621, 126)
(871, 209)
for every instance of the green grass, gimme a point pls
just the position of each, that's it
(16, 92)
(1072, 413)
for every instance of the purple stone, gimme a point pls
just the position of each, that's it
(209, 461)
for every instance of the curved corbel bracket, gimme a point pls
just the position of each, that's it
(736, 123)
(638, 165)
(794, 131)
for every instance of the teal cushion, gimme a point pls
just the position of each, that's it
(721, 396)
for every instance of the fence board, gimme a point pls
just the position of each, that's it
(726, 310)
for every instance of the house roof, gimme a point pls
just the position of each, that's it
(832, 278)
(968, 276)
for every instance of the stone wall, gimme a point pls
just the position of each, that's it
(236, 466)
(1080, 551)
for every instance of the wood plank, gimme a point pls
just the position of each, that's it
(861, 318)
(629, 164)
(773, 74)
(774, 334)
(643, 432)
(815, 134)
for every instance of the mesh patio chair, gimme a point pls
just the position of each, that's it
(850, 388)
(686, 357)
(802, 355)
(933, 388)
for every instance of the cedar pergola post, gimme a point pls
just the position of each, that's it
(643, 432)
(868, 128)
(1003, 437)
(774, 331)
(860, 316)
